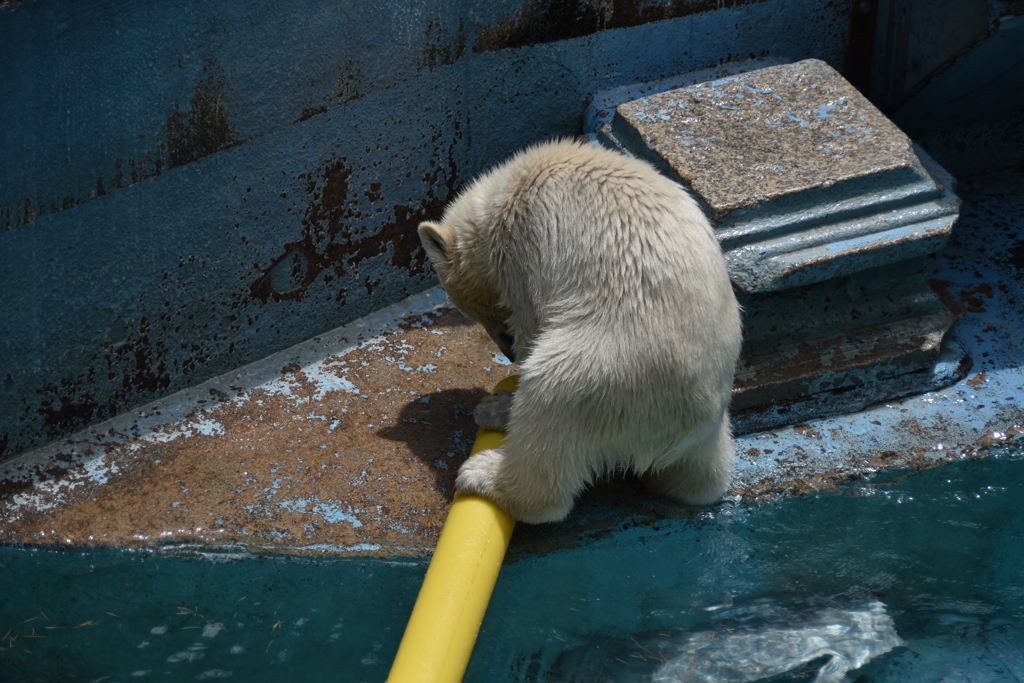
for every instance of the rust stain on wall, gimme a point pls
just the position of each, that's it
(541, 21)
(200, 131)
(330, 242)
(1015, 256)
(310, 112)
(131, 172)
(65, 408)
(348, 87)
(204, 128)
(438, 51)
(139, 362)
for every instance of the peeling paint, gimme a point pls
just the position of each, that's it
(135, 359)
(201, 130)
(297, 458)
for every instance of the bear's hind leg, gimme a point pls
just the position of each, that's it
(701, 474)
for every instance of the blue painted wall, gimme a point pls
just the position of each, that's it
(186, 187)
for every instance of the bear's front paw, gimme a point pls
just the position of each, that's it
(479, 475)
(534, 501)
(492, 411)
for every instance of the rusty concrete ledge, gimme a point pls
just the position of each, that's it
(346, 443)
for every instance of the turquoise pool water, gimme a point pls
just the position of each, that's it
(942, 551)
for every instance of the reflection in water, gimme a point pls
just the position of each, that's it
(850, 637)
(747, 643)
(943, 550)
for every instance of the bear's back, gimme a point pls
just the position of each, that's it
(580, 224)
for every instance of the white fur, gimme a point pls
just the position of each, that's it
(625, 326)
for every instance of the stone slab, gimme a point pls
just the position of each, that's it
(767, 134)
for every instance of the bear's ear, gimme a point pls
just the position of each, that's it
(436, 240)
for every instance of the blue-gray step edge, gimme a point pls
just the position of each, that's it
(851, 388)
(796, 238)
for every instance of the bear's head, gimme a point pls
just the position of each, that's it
(461, 266)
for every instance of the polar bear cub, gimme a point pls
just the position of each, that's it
(605, 281)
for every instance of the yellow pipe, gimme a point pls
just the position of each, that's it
(445, 621)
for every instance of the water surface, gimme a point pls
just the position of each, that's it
(941, 550)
